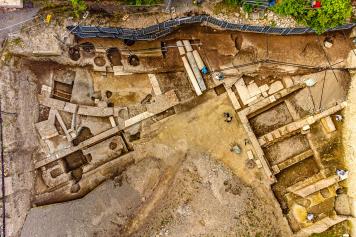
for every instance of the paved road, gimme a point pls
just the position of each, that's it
(8, 19)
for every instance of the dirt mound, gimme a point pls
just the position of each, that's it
(154, 197)
(206, 197)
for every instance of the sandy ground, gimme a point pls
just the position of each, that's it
(349, 138)
(184, 176)
(203, 129)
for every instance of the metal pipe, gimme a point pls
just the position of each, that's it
(196, 71)
(191, 76)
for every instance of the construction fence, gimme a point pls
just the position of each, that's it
(162, 29)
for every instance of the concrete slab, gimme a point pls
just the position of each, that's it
(287, 81)
(112, 121)
(242, 91)
(119, 71)
(328, 124)
(250, 155)
(46, 129)
(95, 111)
(233, 99)
(138, 118)
(50, 102)
(46, 90)
(272, 99)
(70, 107)
(253, 89)
(155, 84)
(264, 88)
(275, 87)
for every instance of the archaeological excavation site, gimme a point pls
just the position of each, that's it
(191, 127)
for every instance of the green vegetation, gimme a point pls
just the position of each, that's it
(16, 41)
(143, 2)
(331, 14)
(247, 8)
(79, 7)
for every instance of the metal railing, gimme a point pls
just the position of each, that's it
(162, 29)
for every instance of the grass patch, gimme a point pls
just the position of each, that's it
(332, 13)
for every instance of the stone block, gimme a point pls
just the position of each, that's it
(269, 137)
(288, 82)
(275, 87)
(342, 205)
(46, 129)
(46, 53)
(138, 118)
(50, 102)
(251, 100)
(328, 124)
(283, 130)
(70, 107)
(275, 169)
(264, 88)
(233, 99)
(276, 134)
(155, 84)
(242, 91)
(261, 141)
(272, 99)
(112, 121)
(291, 127)
(258, 163)
(305, 129)
(100, 50)
(119, 71)
(102, 104)
(46, 90)
(253, 89)
(310, 120)
(250, 155)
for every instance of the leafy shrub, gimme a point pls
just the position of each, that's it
(247, 7)
(79, 7)
(331, 14)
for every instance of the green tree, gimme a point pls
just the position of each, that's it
(332, 13)
(79, 7)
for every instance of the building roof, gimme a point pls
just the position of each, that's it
(11, 3)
